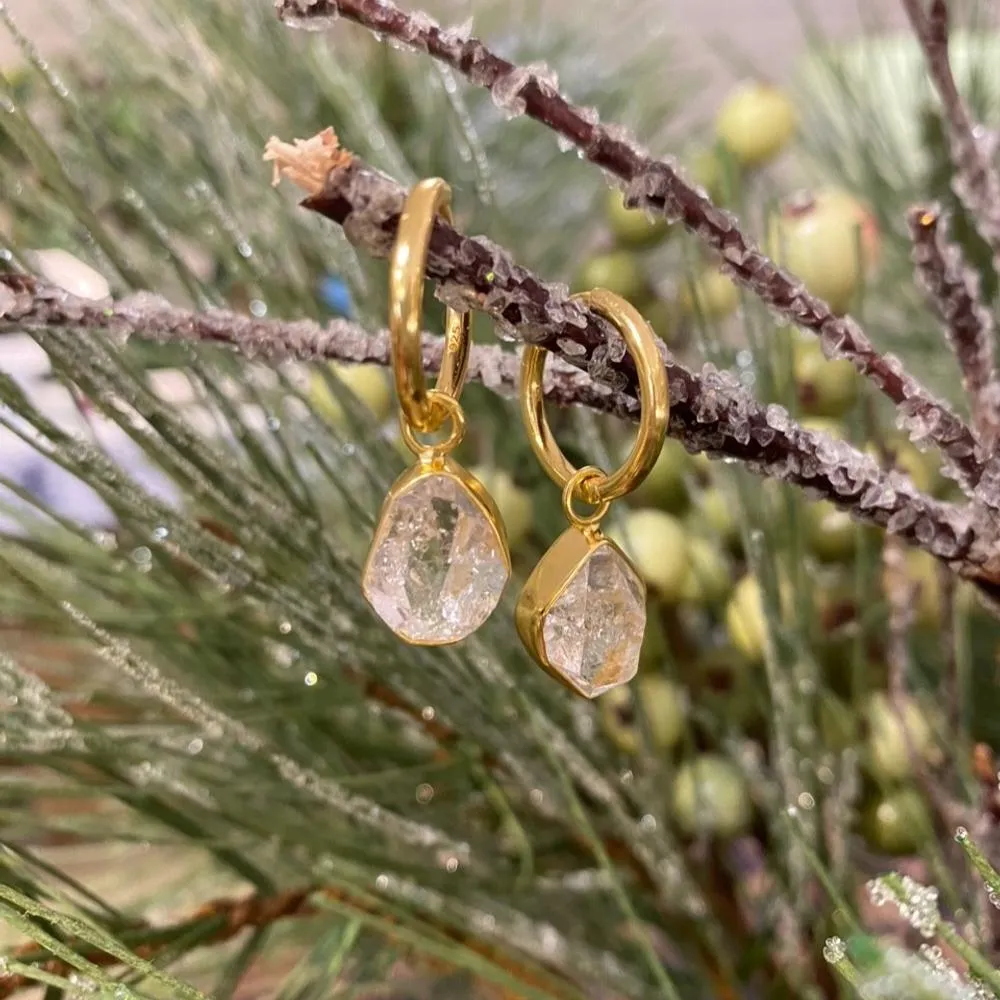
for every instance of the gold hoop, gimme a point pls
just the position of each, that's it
(440, 403)
(407, 271)
(654, 397)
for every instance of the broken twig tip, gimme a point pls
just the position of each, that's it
(306, 162)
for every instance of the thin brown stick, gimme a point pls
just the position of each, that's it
(976, 181)
(710, 411)
(657, 186)
(35, 305)
(952, 288)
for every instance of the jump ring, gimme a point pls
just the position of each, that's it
(654, 397)
(407, 273)
(575, 487)
(445, 409)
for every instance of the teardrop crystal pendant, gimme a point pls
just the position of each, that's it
(582, 613)
(439, 560)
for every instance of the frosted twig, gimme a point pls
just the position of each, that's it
(709, 411)
(28, 303)
(953, 290)
(658, 187)
(977, 181)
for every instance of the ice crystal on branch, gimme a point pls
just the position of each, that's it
(917, 904)
(709, 412)
(662, 190)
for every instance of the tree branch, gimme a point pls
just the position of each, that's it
(709, 411)
(953, 290)
(977, 182)
(657, 186)
(28, 303)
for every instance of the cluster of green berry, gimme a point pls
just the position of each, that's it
(828, 238)
(708, 620)
(682, 534)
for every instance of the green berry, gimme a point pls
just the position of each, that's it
(825, 388)
(817, 240)
(838, 724)
(746, 618)
(711, 296)
(708, 172)
(664, 707)
(708, 578)
(618, 718)
(657, 546)
(666, 484)
(746, 622)
(727, 686)
(655, 648)
(823, 425)
(618, 272)
(831, 533)
(896, 823)
(710, 796)
(755, 123)
(863, 223)
(923, 570)
(663, 317)
(896, 741)
(631, 226)
(516, 506)
(703, 465)
(924, 468)
(714, 508)
(366, 382)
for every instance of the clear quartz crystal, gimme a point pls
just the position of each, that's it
(438, 565)
(592, 634)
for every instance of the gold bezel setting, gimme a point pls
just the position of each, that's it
(436, 466)
(548, 582)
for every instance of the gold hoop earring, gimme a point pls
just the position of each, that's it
(439, 560)
(582, 612)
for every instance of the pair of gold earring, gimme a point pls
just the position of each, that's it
(439, 560)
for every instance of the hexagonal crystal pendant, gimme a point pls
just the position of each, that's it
(582, 613)
(439, 561)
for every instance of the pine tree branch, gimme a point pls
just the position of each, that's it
(221, 920)
(710, 411)
(977, 181)
(658, 187)
(952, 288)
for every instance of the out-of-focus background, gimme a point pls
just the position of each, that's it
(766, 32)
(195, 701)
